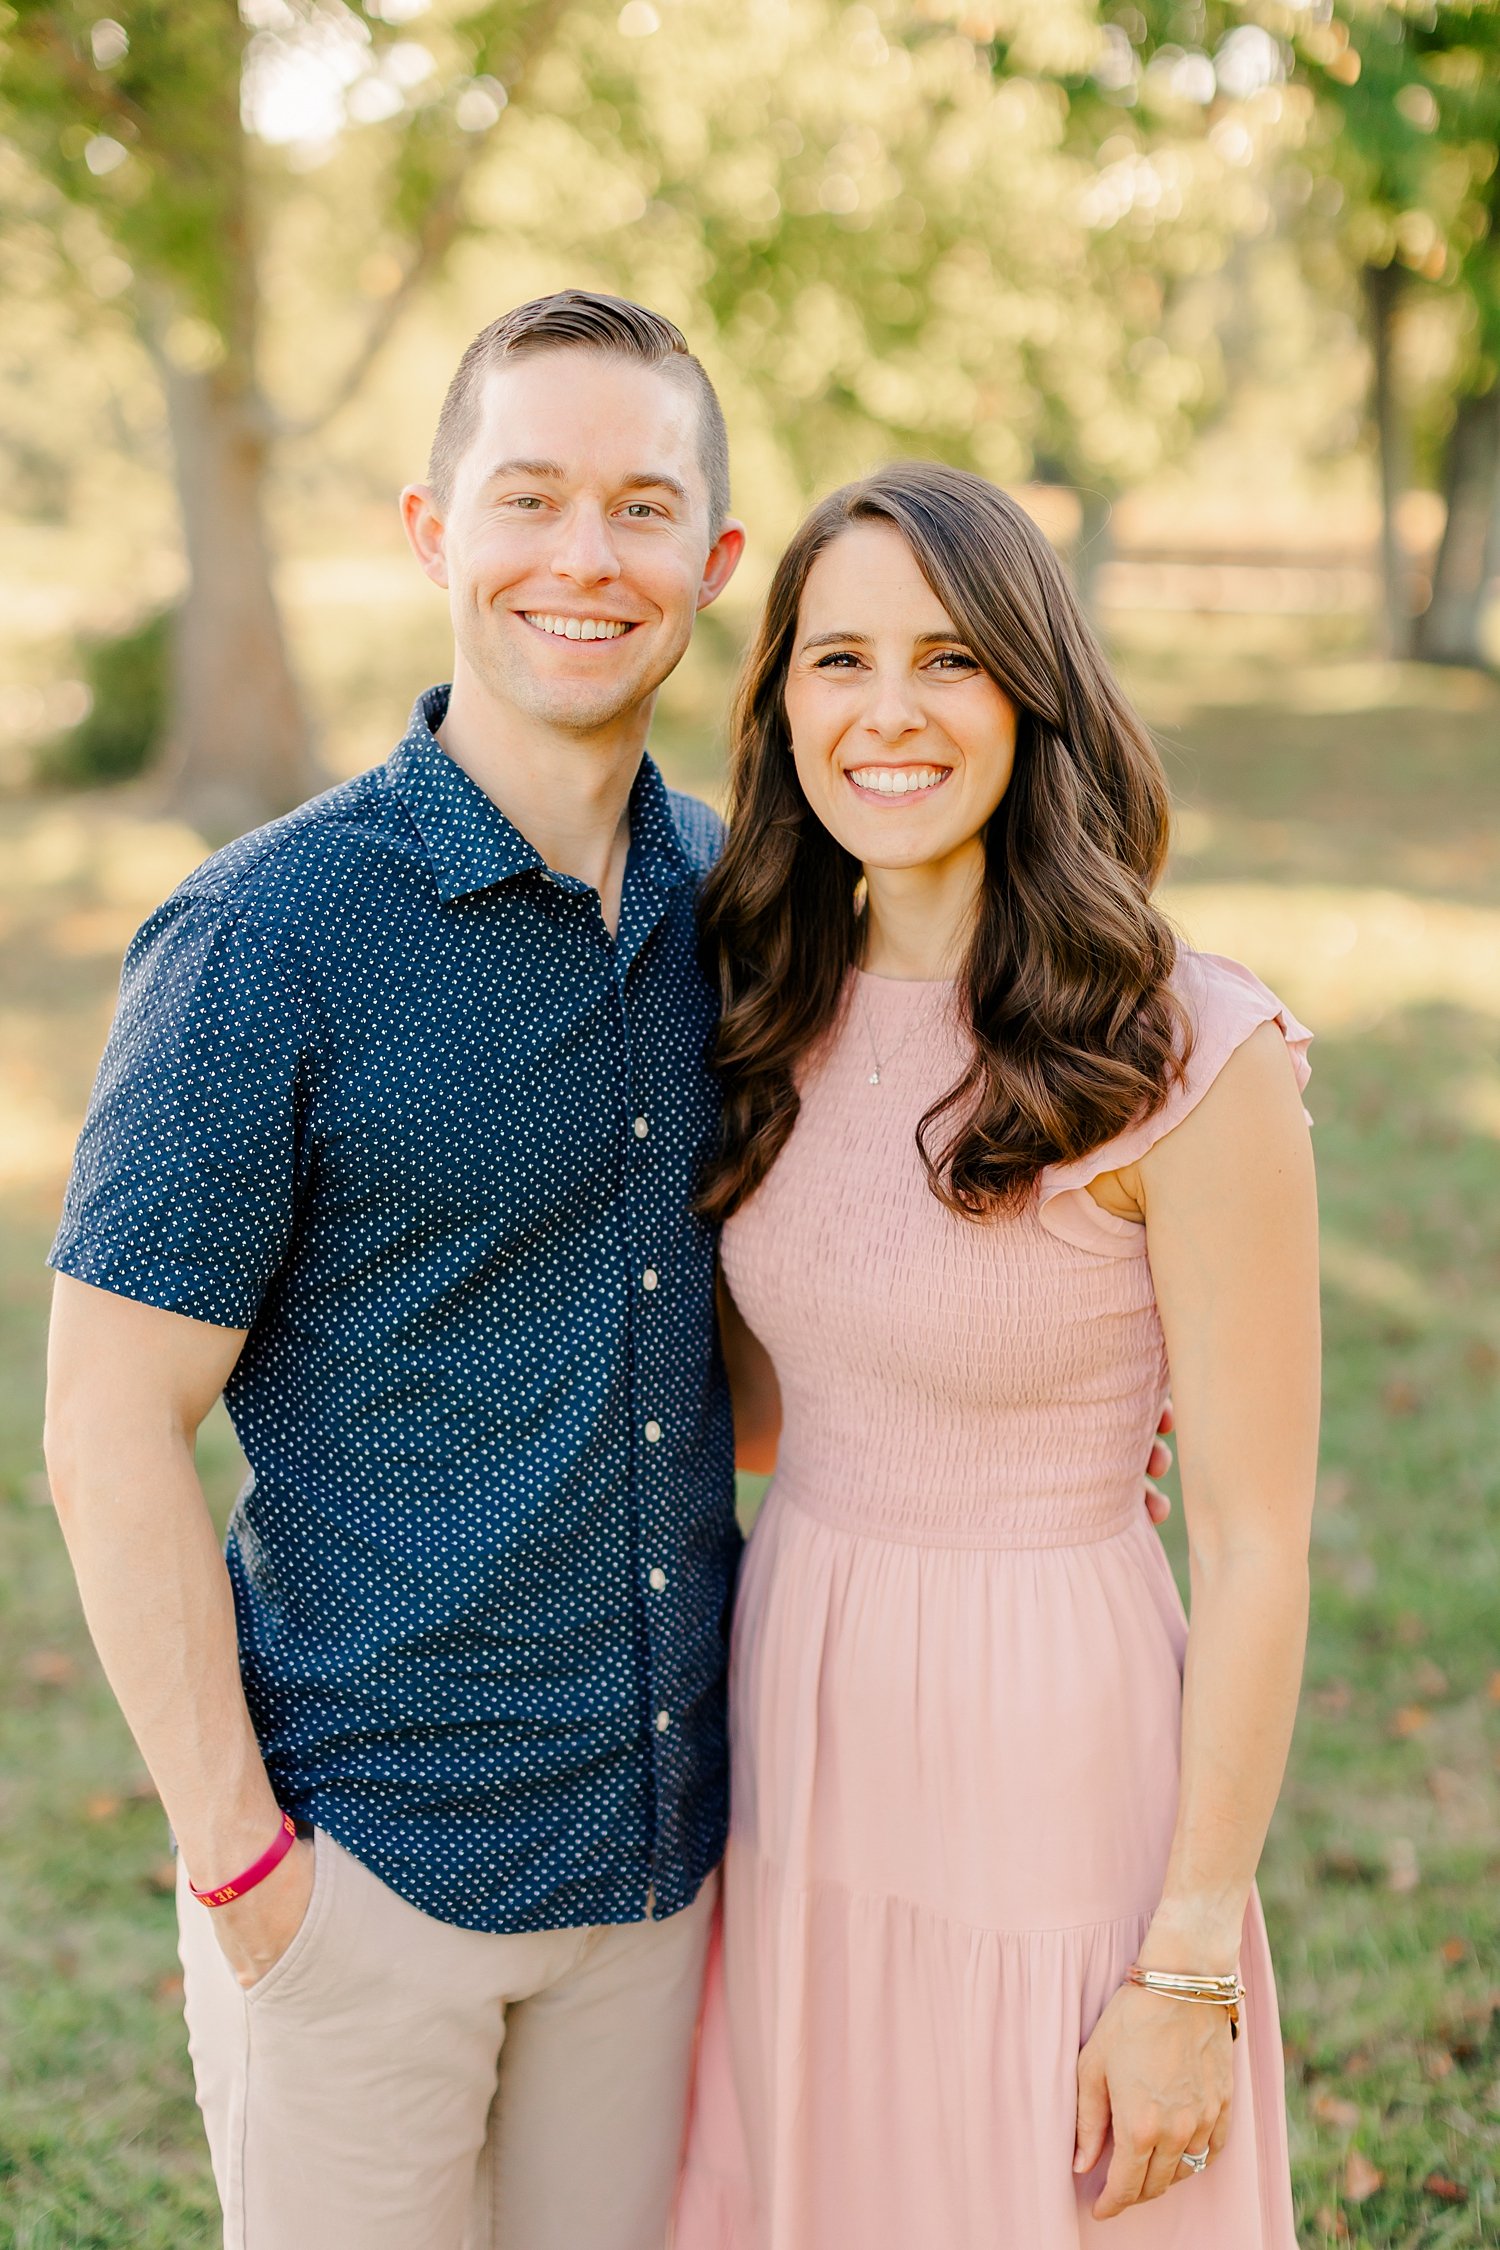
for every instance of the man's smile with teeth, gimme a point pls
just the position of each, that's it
(897, 781)
(579, 628)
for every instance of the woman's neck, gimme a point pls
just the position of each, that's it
(919, 920)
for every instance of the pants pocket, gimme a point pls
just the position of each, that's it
(291, 1967)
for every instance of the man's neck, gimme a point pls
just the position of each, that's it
(568, 794)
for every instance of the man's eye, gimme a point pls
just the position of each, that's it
(527, 500)
(640, 510)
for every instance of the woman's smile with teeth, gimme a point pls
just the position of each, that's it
(579, 628)
(897, 781)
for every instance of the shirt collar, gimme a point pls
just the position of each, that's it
(470, 843)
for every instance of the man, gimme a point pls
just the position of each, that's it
(394, 1143)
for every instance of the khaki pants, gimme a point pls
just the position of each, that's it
(395, 2083)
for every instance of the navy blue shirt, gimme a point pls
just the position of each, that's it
(383, 1090)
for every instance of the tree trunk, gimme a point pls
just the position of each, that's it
(238, 747)
(1383, 286)
(1449, 631)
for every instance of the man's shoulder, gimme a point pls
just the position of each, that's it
(289, 874)
(700, 830)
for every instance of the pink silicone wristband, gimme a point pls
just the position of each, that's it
(256, 1872)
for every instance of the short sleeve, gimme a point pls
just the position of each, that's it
(183, 1185)
(1225, 1003)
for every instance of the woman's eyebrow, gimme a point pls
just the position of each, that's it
(923, 640)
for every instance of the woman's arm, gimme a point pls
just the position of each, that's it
(752, 1387)
(1231, 1222)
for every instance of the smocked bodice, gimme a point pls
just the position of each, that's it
(944, 1380)
(984, 1382)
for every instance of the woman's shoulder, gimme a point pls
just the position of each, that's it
(1223, 1004)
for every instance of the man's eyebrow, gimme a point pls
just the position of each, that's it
(551, 469)
(656, 480)
(553, 472)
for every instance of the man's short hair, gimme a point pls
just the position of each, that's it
(581, 320)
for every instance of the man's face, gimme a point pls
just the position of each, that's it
(575, 544)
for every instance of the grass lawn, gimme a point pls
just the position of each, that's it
(1338, 831)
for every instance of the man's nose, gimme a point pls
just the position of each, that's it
(585, 553)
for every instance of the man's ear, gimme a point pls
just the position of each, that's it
(723, 556)
(422, 516)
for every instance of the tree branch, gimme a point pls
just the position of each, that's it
(87, 86)
(441, 225)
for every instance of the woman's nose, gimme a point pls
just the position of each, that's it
(893, 710)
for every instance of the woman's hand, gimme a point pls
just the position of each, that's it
(1158, 2071)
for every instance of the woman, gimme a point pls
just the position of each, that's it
(997, 1148)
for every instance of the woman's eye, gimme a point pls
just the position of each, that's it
(954, 660)
(838, 659)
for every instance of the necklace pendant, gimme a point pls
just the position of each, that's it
(874, 1078)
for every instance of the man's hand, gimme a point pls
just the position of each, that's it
(255, 1931)
(1158, 1506)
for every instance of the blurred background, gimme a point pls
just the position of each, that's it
(1214, 287)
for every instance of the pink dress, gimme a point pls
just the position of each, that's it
(955, 1693)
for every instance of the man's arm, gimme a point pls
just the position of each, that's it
(127, 1389)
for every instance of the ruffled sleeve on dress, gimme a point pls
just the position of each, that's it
(1225, 1003)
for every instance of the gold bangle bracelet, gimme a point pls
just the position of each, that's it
(1199, 1991)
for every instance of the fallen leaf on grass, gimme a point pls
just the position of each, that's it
(162, 1877)
(1437, 2062)
(1494, 1688)
(1334, 1699)
(1333, 2223)
(1410, 1720)
(1453, 1950)
(1401, 1396)
(1446, 2190)
(102, 1807)
(1332, 2109)
(1361, 2179)
(169, 1988)
(51, 1667)
(1340, 1865)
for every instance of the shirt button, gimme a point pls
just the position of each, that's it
(663, 1721)
(641, 1128)
(649, 1278)
(657, 1579)
(653, 1432)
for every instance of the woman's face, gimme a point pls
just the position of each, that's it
(904, 746)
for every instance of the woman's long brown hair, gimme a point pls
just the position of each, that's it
(1064, 986)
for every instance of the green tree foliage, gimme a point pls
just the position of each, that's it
(969, 227)
(1403, 137)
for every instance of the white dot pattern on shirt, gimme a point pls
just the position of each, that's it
(374, 1092)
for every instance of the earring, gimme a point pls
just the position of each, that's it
(861, 897)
